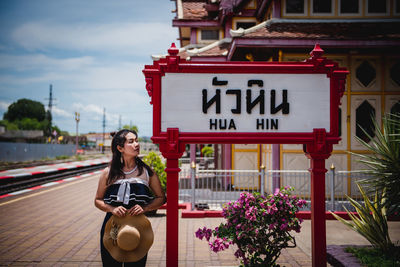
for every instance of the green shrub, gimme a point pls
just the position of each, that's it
(373, 257)
(62, 157)
(207, 151)
(155, 162)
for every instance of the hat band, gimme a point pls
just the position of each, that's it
(114, 232)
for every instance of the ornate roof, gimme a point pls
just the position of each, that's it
(194, 10)
(335, 30)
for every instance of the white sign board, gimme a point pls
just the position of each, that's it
(203, 102)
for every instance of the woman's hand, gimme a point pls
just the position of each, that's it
(119, 211)
(135, 210)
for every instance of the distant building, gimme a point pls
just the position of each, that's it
(363, 36)
(95, 140)
(21, 136)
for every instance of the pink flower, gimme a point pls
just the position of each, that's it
(239, 254)
(271, 226)
(200, 233)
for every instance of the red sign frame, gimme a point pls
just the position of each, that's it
(318, 144)
(314, 65)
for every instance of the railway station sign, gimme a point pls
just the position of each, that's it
(258, 103)
(275, 102)
(246, 102)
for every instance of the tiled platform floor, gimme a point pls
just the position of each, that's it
(59, 226)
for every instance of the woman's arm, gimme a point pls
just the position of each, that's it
(101, 190)
(159, 195)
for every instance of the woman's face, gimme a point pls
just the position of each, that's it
(131, 146)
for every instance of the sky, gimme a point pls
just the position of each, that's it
(92, 52)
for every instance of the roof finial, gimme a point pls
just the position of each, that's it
(317, 51)
(173, 51)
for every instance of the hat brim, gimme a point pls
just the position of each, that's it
(142, 224)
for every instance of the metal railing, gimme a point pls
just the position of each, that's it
(210, 189)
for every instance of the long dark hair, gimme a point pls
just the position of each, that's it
(116, 165)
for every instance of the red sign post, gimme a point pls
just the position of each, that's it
(250, 103)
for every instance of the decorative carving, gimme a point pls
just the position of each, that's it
(342, 82)
(320, 147)
(319, 137)
(172, 148)
(149, 88)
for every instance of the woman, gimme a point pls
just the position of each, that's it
(126, 173)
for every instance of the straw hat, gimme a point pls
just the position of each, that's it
(128, 238)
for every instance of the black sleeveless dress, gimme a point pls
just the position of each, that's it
(127, 193)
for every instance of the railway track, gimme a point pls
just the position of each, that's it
(24, 182)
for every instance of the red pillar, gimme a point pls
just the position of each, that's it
(172, 211)
(172, 150)
(318, 152)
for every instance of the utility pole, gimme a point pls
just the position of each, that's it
(77, 119)
(120, 126)
(104, 129)
(51, 98)
(50, 105)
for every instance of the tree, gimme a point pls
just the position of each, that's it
(29, 124)
(131, 127)
(26, 114)
(10, 126)
(25, 108)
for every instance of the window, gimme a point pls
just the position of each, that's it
(295, 7)
(365, 114)
(376, 6)
(365, 73)
(245, 25)
(395, 109)
(397, 7)
(322, 6)
(349, 7)
(395, 73)
(209, 35)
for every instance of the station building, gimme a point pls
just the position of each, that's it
(361, 35)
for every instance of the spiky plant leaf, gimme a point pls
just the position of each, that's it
(384, 161)
(371, 221)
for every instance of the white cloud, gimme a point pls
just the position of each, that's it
(93, 110)
(118, 75)
(40, 61)
(60, 112)
(4, 105)
(79, 72)
(124, 38)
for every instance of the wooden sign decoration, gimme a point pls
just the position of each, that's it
(246, 103)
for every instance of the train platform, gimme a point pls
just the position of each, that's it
(51, 168)
(59, 226)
